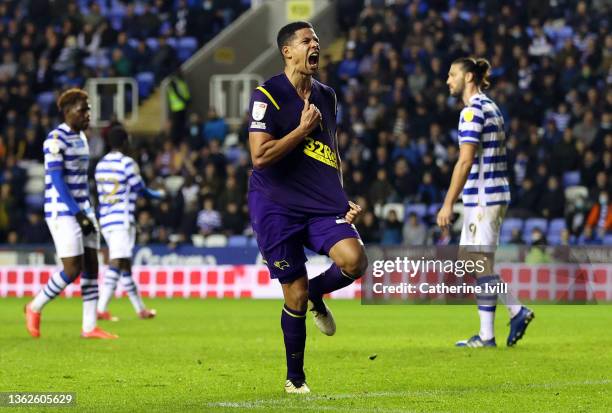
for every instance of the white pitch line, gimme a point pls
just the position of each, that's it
(262, 404)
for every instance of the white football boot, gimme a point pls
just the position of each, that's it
(324, 322)
(293, 389)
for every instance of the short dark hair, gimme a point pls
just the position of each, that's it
(287, 32)
(117, 137)
(479, 67)
(70, 98)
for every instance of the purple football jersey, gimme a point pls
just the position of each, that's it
(307, 179)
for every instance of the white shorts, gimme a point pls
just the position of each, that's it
(482, 224)
(120, 241)
(68, 236)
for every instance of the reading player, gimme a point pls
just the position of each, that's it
(481, 172)
(119, 183)
(295, 196)
(69, 215)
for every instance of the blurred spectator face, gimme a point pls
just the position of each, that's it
(391, 216)
(402, 140)
(117, 55)
(12, 238)
(434, 129)
(537, 236)
(209, 170)
(5, 191)
(30, 135)
(413, 219)
(212, 113)
(194, 118)
(542, 170)
(553, 184)
(33, 218)
(565, 236)
(381, 154)
(381, 175)
(601, 179)
(401, 167)
(427, 178)
(232, 208)
(122, 38)
(208, 204)
(362, 202)
(592, 96)
(143, 218)
(368, 219)
(562, 108)
(214, 146)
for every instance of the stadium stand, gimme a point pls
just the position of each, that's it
(397, 125)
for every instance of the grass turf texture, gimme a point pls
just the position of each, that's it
(226, 355)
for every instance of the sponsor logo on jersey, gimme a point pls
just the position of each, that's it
(258, 125)
(321, 152)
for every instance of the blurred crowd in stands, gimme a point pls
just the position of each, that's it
(47, 46)
(551, 78)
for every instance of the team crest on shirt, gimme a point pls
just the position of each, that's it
(469, 115)
(259, 110)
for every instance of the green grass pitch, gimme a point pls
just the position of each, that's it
(226, 355)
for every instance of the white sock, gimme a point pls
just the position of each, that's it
(514, 309)
(89, 293)
(54, 287)
(111, 278)
(487, 321)
(130, 286)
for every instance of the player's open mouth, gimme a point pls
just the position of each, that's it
(313, 59)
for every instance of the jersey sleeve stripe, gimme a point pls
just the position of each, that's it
(469, 134)
(269, 96)
(475, 119)
(70, 186)
(55, 165)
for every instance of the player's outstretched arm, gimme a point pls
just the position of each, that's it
(461, 171)
(265, 150)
